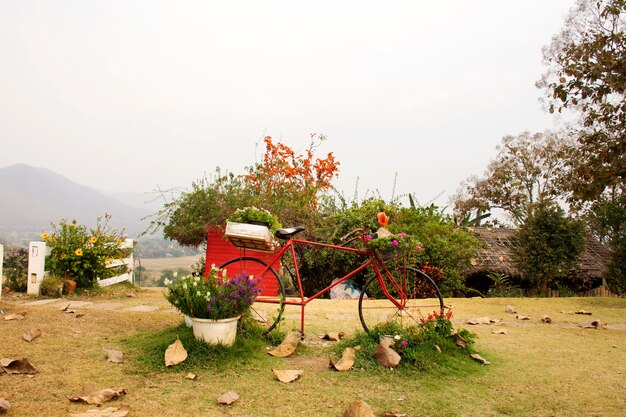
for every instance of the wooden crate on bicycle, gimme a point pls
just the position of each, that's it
(250, 236)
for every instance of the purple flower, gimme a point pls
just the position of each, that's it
(402, 235)
(368, 237)
(394, 242)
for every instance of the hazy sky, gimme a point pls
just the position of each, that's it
(131, 95)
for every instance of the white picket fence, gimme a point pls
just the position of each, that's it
(37, 252)
(129, 262)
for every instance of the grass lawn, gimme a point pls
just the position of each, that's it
(537, 369)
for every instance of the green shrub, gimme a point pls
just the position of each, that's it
(564, 290)
(502, 285)
(16, 269)
(83, 255)
(447, 248)
(51, 286)
(548, 247)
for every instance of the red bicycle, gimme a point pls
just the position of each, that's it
(392, 291)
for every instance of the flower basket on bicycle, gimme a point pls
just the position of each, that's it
(388, 246)
(250, 236)
(252, 228)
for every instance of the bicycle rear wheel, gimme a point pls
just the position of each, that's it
(416, 294)
(266, 314)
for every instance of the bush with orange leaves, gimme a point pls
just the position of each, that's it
(284, 172)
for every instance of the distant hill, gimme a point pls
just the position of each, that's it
(32, 198)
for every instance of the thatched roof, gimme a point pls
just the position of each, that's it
(496, 256)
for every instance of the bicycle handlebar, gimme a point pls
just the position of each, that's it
(351, 233)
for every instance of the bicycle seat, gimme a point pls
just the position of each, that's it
(288, 232)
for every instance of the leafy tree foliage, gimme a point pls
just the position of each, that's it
(549, 245)
(587, 72)
(523, 174)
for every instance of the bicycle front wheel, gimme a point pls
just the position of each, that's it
(413, 295)
(270, 283)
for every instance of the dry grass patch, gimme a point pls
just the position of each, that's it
(537, 369)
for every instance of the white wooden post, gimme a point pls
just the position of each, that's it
(1, 264)
(37, 252)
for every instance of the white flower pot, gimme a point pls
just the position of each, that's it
(188, 322)
(215, 332)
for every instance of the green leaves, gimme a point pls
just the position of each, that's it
(586, 73)
(82, 254)
(549, 245)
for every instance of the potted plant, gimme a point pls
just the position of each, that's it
(256, 215)
(213, 303)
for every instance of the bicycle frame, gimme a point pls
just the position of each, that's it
(373, 260)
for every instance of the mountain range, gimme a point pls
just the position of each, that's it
(33, 198)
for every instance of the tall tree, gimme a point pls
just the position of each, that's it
(587, 73)
(523, 175)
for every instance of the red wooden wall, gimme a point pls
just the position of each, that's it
(220, 250)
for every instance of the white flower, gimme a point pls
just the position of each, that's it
(184, 286)
(197, 279)
(199, 294)
(167, 281)
(397, 337)
(223, 273)
(195, 284)
(175, 274)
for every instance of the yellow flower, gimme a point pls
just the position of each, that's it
(62, 256)
(93, 239)
(78, 252)
(45, 236)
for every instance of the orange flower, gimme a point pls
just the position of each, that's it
(383, 219)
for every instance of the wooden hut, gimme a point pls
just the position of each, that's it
(496, 255)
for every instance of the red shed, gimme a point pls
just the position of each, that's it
(220, 250)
